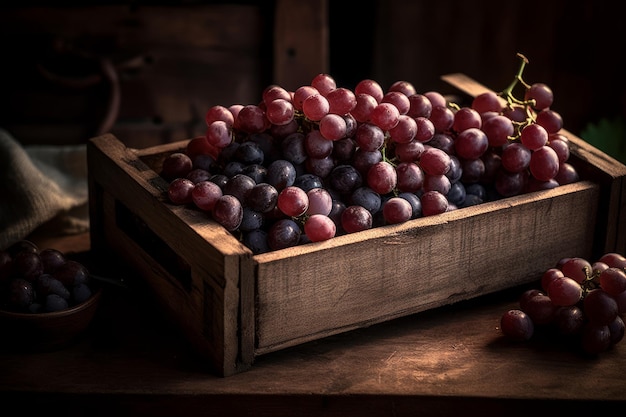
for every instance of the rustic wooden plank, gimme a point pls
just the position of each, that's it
(301, 49)
(357, 280)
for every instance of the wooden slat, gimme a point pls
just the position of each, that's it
(301, 49)
(369, 277)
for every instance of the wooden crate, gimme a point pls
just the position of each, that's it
(234, 306)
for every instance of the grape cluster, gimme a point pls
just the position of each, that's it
(578, 300)
(41, 281)
(323, 160)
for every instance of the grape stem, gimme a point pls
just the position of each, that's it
(513, 101)
(507, 93)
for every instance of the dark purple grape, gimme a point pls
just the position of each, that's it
(256, 241)
(81, 293)
(471, 200)
(262, 198)
(22, 246)
(233, 168)
(456, 170)
(52, 260)
(507, 184)
(596, 338)
(54, 302)
(443, 142)
(517, 325)
(176, 165)
(27, 265)
(599, 307)
(336, 211)
(239, 186)
(343, 149)
(19, 295)
(251, 220)
(198, 175)
(205, 162)
(363, 160)
(344, 179)
(280, 174)
(46, 284)
(476, 189)
(267, 144)
(255, 171)
(540, 308)
(293, 149)
(228, 212)
(220, 180)
(284, 233)
(472, 170)
(308, 181)
(457, 194)
(569, 320)
(367, 198)
(249, 153)
(320, 166)
(72, 273)
(416, 204)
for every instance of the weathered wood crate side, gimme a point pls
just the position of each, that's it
(198, 271)
(592, 164)
(360, 279)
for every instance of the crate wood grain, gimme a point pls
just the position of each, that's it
(234, 306)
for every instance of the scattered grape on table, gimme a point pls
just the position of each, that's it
(582, 302)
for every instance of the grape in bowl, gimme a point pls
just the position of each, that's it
(46, 300)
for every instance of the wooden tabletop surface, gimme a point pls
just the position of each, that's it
(133, 361)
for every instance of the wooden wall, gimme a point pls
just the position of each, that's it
(148, 73)
(573, 45)
(174, 59)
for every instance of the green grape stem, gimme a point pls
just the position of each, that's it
(507, 93)
(511, 100)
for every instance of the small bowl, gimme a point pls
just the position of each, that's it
(47, 331)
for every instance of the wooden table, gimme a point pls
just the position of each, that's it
(453, 360)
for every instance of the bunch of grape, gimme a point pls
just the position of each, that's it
(577, 299)
(41, 281)
(324, 160)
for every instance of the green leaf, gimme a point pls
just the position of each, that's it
(609, 136)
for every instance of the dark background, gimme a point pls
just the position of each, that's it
(173, 59)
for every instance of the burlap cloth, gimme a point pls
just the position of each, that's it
(41, 187)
